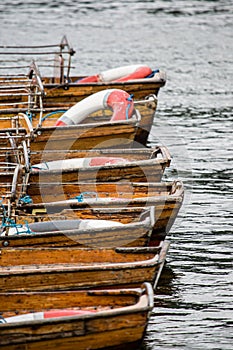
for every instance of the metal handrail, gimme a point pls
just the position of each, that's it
(29, 124)
(62, 48)
(26, 156)
(13, 147)
(15, 182)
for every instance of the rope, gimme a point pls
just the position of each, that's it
(52, 113)
(130, 98)
(153, 73)
(2, 319)
(25, 199)
(10, 223)
(4, 213)
(80, 197)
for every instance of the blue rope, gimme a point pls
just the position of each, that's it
(80, 197)
(153, 73)
(8, 222)
(130, 98)
(52, 113)
(28, 228)
(2, 319)
(12, 224)
(25, 199)
(4, 213)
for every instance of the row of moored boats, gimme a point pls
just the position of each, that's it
(85, 211)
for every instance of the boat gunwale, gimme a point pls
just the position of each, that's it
(177, 194)
(140, 306)
(41, 269)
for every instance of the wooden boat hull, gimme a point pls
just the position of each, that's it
(76, 92)
(165, 199)
(133, 154)
(84, 136)
(141, 165)
(146, 108)
(88, 136)
(96, 126)
(31, 269)
(136, 232)
(122, 326)
(56, 93)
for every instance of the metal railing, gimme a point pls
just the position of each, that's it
(15, 59)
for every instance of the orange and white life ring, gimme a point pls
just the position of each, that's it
(115, 99)
(124, 73)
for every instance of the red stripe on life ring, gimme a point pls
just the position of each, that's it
(139, 73)
(89, 79)
(121, 104)
(119, 101)
(60, 123)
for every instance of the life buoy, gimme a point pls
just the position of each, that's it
(46, 314)
(124, 73)
(78, 163)
(115, 99)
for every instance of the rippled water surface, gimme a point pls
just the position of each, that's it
(192, 42)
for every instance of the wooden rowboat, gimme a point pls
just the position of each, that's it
(67, 194)
(85, 136)
(31, 269)
(139, 88)
(86, 200)
(62, 86)
(139, 164)
(40, 127)
(99, 231)
(56, 93)
(105, 319)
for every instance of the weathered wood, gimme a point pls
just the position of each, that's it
(140, 165)
(136, 232)
(78, 268)
(73, 92)
(53, 192)
(97, 126)
(124, 324)
(86, 136)
(133, 154)
(70, 201)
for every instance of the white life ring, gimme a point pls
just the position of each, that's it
(115, 99)
(124, 73)
(78, 163)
